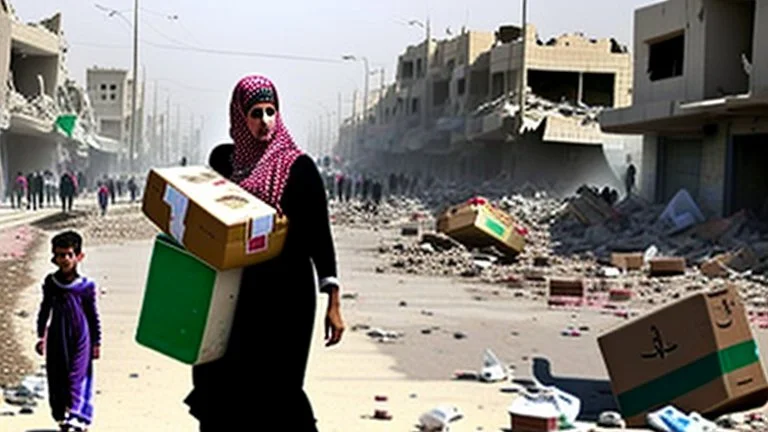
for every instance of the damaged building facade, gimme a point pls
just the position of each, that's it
(46, 120)
(452, 111)
(110, 92)
(701, 102)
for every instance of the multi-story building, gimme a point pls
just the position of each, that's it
(30, 57)
(452, 109)
(110, 92)
(700, 99)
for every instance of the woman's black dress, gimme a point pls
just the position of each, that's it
(261, 376)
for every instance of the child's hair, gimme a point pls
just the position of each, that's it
(68, 239)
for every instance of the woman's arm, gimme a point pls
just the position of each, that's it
(306, 206)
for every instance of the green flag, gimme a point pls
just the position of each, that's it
(66, 123)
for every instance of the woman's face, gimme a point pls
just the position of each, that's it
(260, 119)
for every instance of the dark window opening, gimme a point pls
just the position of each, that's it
(414, 105)
(103, 96)
(112, 96)
(554, 86)
(103, 87)
(407, 71)
(461, 86)
(113, 86)
(419, 68)
(451, 64)
(497, 84)
(665, 58)
(748, 186)
(440, 92)
(598, 89)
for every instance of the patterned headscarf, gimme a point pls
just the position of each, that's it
(260, 167)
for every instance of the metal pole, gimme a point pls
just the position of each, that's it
(355, 136)
(338, 138)
(167, 131)
(177, 136)
(154, 151)
(135, 82)
(365, 101)
(523, 78)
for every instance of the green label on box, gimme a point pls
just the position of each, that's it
(177, 298)
(494, 226)
(688, 378)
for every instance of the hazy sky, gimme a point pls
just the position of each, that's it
(202, 83)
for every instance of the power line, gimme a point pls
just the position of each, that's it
(191, 48)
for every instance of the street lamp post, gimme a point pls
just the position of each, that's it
(134, 90)
(365, 91)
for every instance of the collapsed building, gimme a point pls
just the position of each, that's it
(46, 119)
(452, 112)
(701, 102)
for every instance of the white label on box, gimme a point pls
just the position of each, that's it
(179, 205)
(258, 240)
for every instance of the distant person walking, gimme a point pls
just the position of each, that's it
(31, 198)
(39, 189)
(133, 189)
(49, 183)
(20, 189)
(630, 176)
(67, 191)
(103, 197)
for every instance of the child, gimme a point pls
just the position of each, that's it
(73, 338)
(103, 193)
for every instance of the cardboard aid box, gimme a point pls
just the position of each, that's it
(478, 224)
(213, 218)
(188, 305)
(697, 354)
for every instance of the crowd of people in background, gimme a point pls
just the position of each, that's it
(370, 188)
(41, 189)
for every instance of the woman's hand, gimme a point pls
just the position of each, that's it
(334, 324)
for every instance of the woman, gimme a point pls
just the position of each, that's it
(261, 375)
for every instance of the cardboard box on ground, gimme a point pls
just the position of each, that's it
(214, 228)
(707, 361)
(477, 223)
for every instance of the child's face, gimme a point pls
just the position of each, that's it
(66, 259)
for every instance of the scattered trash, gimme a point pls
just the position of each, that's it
(468, 375)
(439, 419)
(381, 411)
(610, 272)
(611, 419)
(670, 419)
(133, 375)
(402, 303)
(493, 370)
(409, 231)
(349, 296)
(459, 335)
(547, 410)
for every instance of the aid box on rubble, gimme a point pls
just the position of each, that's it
(477, 223)
(213, 218)
(188, 305)
(697, 354)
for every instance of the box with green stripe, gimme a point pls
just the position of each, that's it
(476, 223)
(698, 354)
(188, 306)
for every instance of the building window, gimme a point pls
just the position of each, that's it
(103, 96)
(112, 96)
(419, 68)
(665, 58)
(461, 86)
(451, 64)
(407, 70)
(113, 87)
(103, 87)
(414, 105)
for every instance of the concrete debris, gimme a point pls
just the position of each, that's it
(611, 419)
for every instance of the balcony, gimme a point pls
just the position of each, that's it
(34, 40)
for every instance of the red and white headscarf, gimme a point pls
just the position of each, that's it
(260, 167)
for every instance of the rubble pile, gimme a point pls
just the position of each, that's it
(121, 223)
(16, 270)
(433, 254)
(391, 212)
(538, 108)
